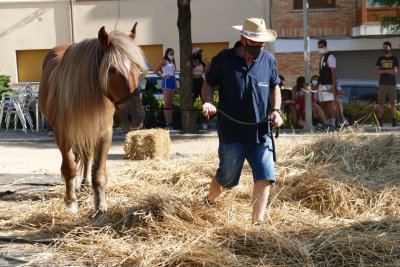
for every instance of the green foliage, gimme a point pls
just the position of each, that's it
(386, 2)
(365, 113)
(4, 81)
(155, 115)
(117, 121)
(390, 23)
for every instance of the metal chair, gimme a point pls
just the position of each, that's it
(17, 104)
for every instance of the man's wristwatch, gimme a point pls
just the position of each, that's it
(278, 110)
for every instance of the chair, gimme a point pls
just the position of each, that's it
(17, 104)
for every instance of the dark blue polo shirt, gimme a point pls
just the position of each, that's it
(243, 94)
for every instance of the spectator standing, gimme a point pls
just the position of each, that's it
(247, 82)
(327, 83)
(198, 70)
(386, 68)
(166, 71)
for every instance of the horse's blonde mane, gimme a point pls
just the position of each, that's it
(79, 83)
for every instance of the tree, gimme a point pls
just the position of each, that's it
(391, 23)
(185, 49)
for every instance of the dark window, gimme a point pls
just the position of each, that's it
(315, 4)
(372, 3)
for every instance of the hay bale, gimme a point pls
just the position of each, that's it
(144, 144)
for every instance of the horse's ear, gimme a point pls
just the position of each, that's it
(103, 39)
(133, 31)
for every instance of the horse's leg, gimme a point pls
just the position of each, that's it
(82, 177)
(85, 174)
(99, 176)
(68, 171)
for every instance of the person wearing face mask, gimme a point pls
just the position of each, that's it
(327, 83)
(166, 71)
(248, 81)
(298, 93)
(386, 68)
(199, 67)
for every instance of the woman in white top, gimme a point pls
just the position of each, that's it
(166, 70)
(198, 69)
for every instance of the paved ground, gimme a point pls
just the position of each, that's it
(33, 160)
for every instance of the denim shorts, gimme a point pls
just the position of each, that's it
(231, 160)
(169, 83)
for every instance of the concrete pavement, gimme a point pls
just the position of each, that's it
(119, 135)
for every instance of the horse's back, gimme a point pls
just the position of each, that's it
(50, 61)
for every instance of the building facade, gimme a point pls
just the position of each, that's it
(351, 28)
(30, 28)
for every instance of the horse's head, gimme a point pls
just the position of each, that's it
(122, 67)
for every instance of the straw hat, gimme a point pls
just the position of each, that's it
(255, 30)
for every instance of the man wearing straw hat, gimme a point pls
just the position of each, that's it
(247, 80)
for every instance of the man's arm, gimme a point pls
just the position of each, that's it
(378, 70)
(276, 100)
(333, 71)
(207, 95)
(275, 97)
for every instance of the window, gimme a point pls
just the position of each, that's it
(372, 3)
(315, 4)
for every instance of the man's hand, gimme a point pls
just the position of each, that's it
(276, 119)
(209, 109)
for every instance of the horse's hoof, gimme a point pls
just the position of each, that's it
(73, 208)
(99, 218)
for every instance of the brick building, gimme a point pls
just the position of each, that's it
(350, 27)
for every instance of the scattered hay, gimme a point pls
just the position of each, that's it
(143, 144)
(330, 206)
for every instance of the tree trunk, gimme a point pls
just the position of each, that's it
(185, 49)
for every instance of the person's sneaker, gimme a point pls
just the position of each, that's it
(50, 133)
(394, 123)
(169, 127)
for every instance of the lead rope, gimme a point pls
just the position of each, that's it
(266, 120)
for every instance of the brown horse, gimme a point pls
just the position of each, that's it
(81, 85)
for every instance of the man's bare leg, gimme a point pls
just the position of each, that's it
(214, 191)
(260, 199)
(393, 110)
(379, 110)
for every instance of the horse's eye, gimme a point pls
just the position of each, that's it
(112, 70)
